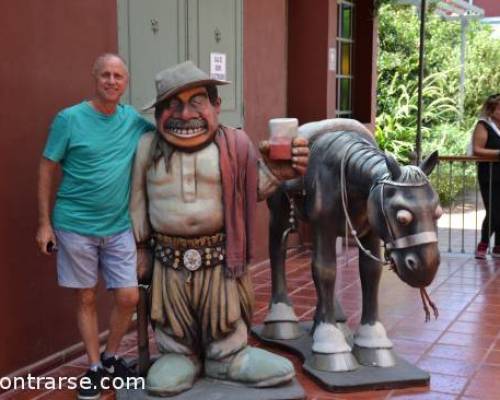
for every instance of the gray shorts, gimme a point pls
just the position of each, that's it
(79, 259)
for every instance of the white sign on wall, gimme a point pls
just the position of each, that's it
(332, 59)
(218, 66)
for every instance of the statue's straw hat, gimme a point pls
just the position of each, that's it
(178, 78)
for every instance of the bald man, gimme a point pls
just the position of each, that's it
(94, 143)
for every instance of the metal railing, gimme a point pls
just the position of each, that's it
(457, 183)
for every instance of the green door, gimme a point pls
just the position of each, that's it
(155, 34)
(214, 26)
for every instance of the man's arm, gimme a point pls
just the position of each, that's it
(139, 209)
(45, 233)
(138, 197)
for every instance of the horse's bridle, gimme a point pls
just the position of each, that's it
(394, 243)
(408, 240)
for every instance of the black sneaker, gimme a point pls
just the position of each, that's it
(90, 385)
(117, 367)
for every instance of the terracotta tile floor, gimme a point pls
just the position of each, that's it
(461, 349)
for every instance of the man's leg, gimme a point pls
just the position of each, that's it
(77, 266)
(125, 302)
(118, 260)
(87, 322)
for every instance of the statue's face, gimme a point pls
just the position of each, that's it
(188, 119)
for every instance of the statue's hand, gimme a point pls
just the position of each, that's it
(44, 236)
(144, 265)
(288, 169)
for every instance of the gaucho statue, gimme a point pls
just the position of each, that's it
(195, 188)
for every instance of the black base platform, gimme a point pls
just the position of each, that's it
(402, 375)
(211, 389)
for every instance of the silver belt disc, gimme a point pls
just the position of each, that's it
(192, 259)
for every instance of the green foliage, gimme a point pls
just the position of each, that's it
(443, 126)
(463, 175)
(380, 3)
(482, 70)
(398, 78)
(453, 180)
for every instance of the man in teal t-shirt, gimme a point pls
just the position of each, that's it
(94, 144)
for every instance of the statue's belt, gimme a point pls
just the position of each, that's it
(190, 253)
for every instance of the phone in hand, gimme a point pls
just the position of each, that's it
(51, 247)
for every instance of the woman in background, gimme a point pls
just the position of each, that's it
(486, 143)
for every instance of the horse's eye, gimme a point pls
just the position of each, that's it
(438, 213)
(404, 217)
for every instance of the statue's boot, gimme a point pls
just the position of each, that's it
(171, 374)
(251, 367)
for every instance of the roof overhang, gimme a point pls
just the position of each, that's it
(451, 9)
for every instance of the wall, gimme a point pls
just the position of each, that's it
(308, 76)
(264, 75)
(47, 51)
(365, 66)
(48, 48)
(311, 85)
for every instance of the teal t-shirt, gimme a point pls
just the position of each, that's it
(96, 153)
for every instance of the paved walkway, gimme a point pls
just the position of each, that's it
(460, 230)
(461, 349)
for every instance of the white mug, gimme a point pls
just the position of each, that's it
(282, 132)
(283, 127)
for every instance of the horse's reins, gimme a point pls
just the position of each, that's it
(395, 243)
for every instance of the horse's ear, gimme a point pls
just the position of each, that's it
(429, 163)
(393, 166)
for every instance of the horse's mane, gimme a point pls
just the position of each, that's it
(312, 130)
(365, 162)
(412, 174)
(335, 139)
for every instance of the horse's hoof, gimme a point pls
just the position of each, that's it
(328, 339)
(372, 336)
(281, 323)
(282, 330)
(349, 337)
(334, 362)
(383, 358)
(330, 350)
(279, 312)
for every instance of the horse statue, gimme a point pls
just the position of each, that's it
(351, 182)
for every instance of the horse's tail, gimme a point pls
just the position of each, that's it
(312, 130)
